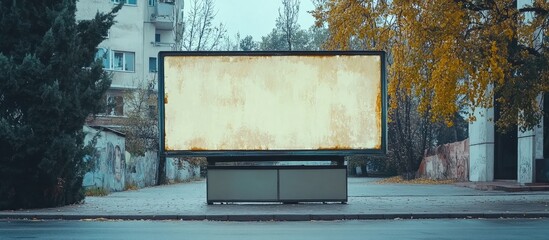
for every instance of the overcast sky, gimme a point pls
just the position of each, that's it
(256, 17)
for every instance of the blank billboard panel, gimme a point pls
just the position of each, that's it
(261, 102)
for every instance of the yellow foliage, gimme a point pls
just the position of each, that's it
(439, 51)
(96, 192)
(400, 180)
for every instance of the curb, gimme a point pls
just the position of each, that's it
(278, 217)
(494, 186)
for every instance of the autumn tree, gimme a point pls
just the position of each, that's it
(49, 83)
(444, 50)
(368, 27)
(195, 29)
(448, 54)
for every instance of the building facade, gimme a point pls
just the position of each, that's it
(516, 155)
(130, 50)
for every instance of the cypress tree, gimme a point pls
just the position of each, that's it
(50, 83)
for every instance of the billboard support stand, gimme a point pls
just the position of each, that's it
(277, 179)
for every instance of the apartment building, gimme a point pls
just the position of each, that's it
(130, 50)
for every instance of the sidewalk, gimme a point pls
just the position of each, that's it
(505, 185)
(367, 200)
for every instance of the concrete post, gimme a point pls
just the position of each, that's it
(539, 141)
(539, 132)
(530, 147)
(526, 166)
(481, 146)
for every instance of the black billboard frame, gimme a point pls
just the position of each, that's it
(292, 155)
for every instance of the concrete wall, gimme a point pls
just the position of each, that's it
(108, 170)
(448, 161)
(179, 170)
(141, 171)
(525, 155)
(114, 169)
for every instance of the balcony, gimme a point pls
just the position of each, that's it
(163, 16)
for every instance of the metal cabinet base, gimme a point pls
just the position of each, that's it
(286, 184)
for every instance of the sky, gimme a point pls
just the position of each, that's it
(256, 17)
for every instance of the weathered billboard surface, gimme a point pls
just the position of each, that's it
(272, 103)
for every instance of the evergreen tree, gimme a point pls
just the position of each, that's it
(248, 44)
(49, 83)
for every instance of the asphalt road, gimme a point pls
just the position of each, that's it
(499, 229)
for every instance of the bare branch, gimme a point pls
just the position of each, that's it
(287, 20)
(196, 32)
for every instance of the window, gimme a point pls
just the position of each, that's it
(152, 3)
(116, 60)
(127, 2)
(157, 37)
(104, 55)
(123, 61)
(115, 105)
(152, 64)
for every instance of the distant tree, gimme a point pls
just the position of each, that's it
(49, 83)
(302, 40)
(274, 41)
(196, 31)
(459, 131)
(287, 21)
(231, 43)
(317, 38)
(141, 123)
(248, 44)
(409, 133)
(288, 35)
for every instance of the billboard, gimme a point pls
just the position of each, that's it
(272, 103)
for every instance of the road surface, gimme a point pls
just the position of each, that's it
(499, 229)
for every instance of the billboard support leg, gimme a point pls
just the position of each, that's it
(161, 176)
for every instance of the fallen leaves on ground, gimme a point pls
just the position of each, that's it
(399, 179)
